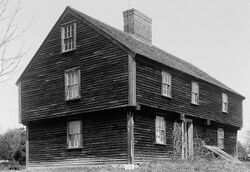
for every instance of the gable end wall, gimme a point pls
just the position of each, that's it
(104, 75)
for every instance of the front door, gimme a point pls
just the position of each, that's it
(187, 138)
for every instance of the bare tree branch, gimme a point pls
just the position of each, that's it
(9, 34)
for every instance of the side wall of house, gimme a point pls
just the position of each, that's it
(104, 75)
(148, 92)
(104, 141)
(147, 150)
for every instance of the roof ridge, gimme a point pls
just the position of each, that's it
(155, 53)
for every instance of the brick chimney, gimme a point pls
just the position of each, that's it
(138, 24)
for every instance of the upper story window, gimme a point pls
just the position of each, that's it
(74, 134)
(68, 36)
(220, 137)
(160, 130)
(224, 102)
(72, 84)
(166, 84)
(195, 93)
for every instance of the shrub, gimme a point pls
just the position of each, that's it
(12, 147)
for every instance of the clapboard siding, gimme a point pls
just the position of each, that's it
(104, 75)
(146, 150)
(230, 136)
(104, 140)
(148, 92)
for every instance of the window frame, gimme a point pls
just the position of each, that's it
(193, 92)
(163, 83)
(220, 132)
(224, 103)
(80, 133)
(164, 142)
(66, 73)
(63, 26)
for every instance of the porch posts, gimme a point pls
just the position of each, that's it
(130, 137)
(187, 137)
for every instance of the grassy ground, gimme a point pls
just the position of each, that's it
(170, 166)
(179, 166)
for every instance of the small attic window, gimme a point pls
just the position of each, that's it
(68, 37)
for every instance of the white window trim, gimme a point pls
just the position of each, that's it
(62, 36)
(76, 69)
(193, 92)
(166, 74)
(68, 135)
(165, 139)
(224, 103)
(220, 131)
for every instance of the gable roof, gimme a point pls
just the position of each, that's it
(150, 51)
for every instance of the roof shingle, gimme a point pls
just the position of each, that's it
(152, 52)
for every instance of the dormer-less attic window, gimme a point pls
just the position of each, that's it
(224, 103)
(68, 36)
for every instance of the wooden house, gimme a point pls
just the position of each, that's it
(93, 95)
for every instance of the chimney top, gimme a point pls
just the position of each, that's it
(138, 24)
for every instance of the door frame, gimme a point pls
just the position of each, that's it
(187, 138)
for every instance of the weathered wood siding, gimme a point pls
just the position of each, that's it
(104, 75)
(104, 140)
(144, 136)
(148, 92)
(146, 150)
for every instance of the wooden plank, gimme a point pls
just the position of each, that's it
(104, 139)
(132, 80)
(148, 93)
(130, 137)
(27, 146)
(190, 139)
(104, 75)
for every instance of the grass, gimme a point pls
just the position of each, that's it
(167, 166)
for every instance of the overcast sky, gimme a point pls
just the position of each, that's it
(212, 35)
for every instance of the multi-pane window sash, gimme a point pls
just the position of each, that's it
(74, 134)
(68, 35)
(166, 84)
(160, 130)
(220, 134)
(224, 102)
(195, 93)
(72, 84)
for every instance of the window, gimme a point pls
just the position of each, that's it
(74, 136)
(166, 84)
(68, 36)
(220, 135)
(160, 130)
(195, 93)
(72, 84)
(224, 103)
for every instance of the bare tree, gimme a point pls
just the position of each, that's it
(11, 52)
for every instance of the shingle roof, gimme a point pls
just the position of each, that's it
(151, 51)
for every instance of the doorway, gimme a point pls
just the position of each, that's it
(187, 138)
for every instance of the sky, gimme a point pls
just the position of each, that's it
(212, 35)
